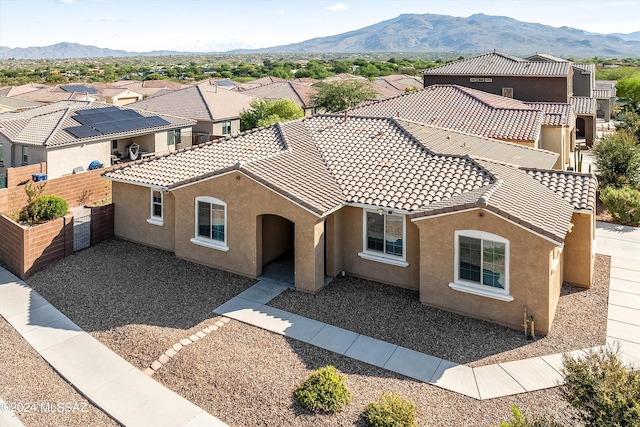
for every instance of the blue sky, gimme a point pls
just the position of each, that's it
(218, 25)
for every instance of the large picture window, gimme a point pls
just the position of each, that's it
(384, 237)
(482, 264)
(211, 223)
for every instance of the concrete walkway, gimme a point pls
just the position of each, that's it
(486, 382)
(110, 382)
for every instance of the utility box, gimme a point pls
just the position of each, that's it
(38, 177)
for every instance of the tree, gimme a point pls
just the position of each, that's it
(629, 121)
(265, 113)
(603, 390)
(617, 160)
(628, 89)
(341, 95)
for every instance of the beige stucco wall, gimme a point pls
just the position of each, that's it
(36, 154)
(553, 139)
(246, 202)
(532, 283)
(62, 161)
(132, 208)
(578, 250)
(344, 231)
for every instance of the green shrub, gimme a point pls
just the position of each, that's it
(623, 204)
(617, 160)
(325, 390)
(603, 390)
(391, 411)
(520, 420)
(45, 208)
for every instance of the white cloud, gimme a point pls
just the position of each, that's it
(337, 7)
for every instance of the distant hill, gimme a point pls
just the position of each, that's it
(73, 50)
(631, 36)
(475, 34)
(411, 33)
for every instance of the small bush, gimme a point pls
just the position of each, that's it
(623, 204)
(617, 160)
(391, 411)
(520, 420)
(325, 390)
(603, 390)
(45, 208)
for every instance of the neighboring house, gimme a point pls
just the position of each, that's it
(480, 113)
(558, 129)
(52, 94)
(605, 95)
(70, 135)
(399, 82)
(12, 91)
(585, 108)
(13, 104)
(547, 79)
(378, 198)
(149, 87)
(120, 96)
(216, 111)
(299, 93)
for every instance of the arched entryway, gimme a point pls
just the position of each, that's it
(277, 248)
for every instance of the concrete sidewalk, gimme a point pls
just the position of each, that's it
(486, 382)
(110, 382)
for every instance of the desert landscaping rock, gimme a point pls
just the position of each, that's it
(395, 315)
(201, 334)
(26, 378)
(194, 338)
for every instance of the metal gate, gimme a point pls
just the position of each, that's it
(81, 228)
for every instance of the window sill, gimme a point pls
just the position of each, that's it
(155, 221)
(480, 292)
(385, 260)
(213, 244)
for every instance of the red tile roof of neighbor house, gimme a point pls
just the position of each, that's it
(500, 64)
(46, 125)
(555, 113)
(201, 102)
(325, 162)
(463, 109)
(299, 93)
(584, 105)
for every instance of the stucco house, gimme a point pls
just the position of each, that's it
(216, 111)
(547, 126)
(299, 93)
(378, 198)
(70, 135)
(605, 95)
(543, 79)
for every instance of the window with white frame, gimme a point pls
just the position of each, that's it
(211, 223)
(171, 138)
(482, 264)
(226, 128)
(157, 207)
(384, 237)
(25, 155)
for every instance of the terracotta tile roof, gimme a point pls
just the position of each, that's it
(198, 103)
(15, 103)
(585, 67)
(499, 64)
(162, 84)
(447, 141)
(463, 109)
(47, 125)
(584, 105)
(579, 189)
(297, 92)
(11, 91)
(602, 93)
(506, 197)
(555, 113)
(49, 95)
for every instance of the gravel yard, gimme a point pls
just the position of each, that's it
(136, 300)
(246, 377)
(27, 380)
(396, 315)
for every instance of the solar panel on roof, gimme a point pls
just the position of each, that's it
(82, 131)
(79, 88)
(112, 120)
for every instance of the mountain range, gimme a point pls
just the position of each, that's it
(410, 33)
